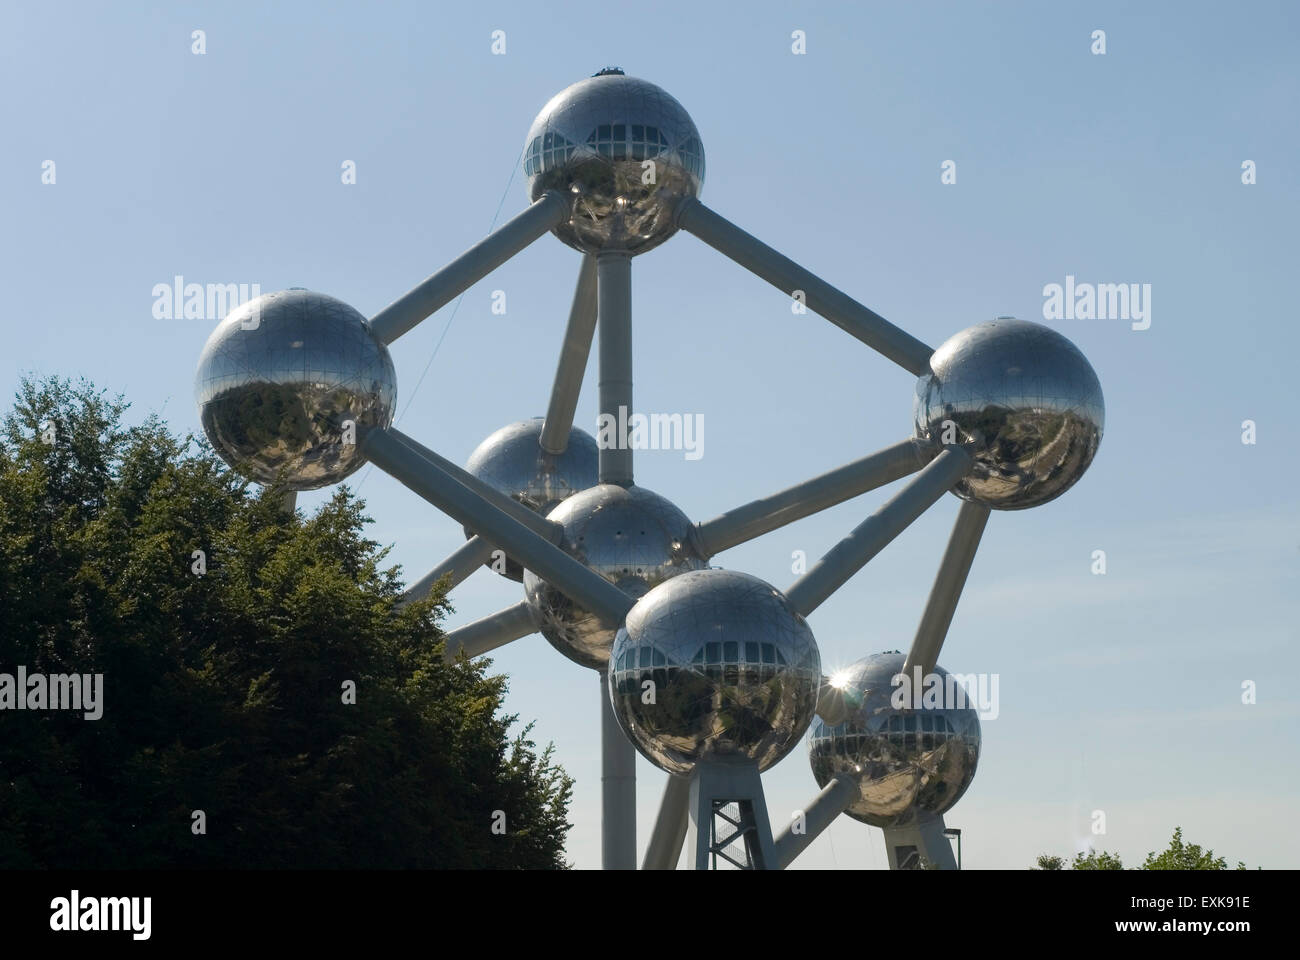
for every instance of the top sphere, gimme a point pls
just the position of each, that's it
(1023, 401)
(280, 378)
(591, 143)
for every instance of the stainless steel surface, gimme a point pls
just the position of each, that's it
(614, 294)
(487, 633)
(711, 674)
(853, 479)
(617, 790)
(946, 590)
(473, 554)
(729, 817)
(278, 379)
(787, 276)
(477, 262)
(512, 461)
(872, 535)
(1025, 404)
(789, 842)
(905, 762)
(735, 672)
(590, 143)
(633, 538)
(400, 457)
(574, 350)
(505, 503)
(671, 823)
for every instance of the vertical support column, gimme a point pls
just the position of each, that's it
(918, 843)
(617, 789)
(618, 756)
(729, 817)
(614, 297)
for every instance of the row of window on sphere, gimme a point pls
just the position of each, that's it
(551, 150)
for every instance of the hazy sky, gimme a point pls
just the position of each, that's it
(1119, 692)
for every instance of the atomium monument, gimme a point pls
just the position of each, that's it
(711, 674)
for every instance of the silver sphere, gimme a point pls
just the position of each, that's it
(1023, 401)
(279, 378)
(590, 142)
(735, 671)
(633, 538)
(904, 762)
(512, 461)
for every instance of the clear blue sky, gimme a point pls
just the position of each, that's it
(1120, 692)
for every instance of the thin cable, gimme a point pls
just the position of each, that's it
(454, 310)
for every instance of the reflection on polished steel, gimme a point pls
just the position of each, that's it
(633, 538)
(904, 762)
(624, 153)
(711, 674)
(735, 672)
(278, 381)
(512, 461)
(1024, 402)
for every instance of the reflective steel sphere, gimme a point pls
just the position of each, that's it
(633, 538)
(1023, 401)
(591, 143)
(513, 462)
(277, 381)
(735, 672)
(905, 762)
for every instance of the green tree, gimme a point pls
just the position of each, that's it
(1185, 856)
(224, 692)
(1094, 860)
(1178, 856)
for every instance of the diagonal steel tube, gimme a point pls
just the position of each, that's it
(457, 567)
(469, 268)
(786, 275)
(833, 800)
(948, 584)
(853, 479)
(871, 536)
(573, 361)
(490, 632)
(671, 823)
(535, 522)
(395, 454)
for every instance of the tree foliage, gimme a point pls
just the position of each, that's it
(1177, 856)
(1096, 860)
(223, 692)
(1185, 856)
